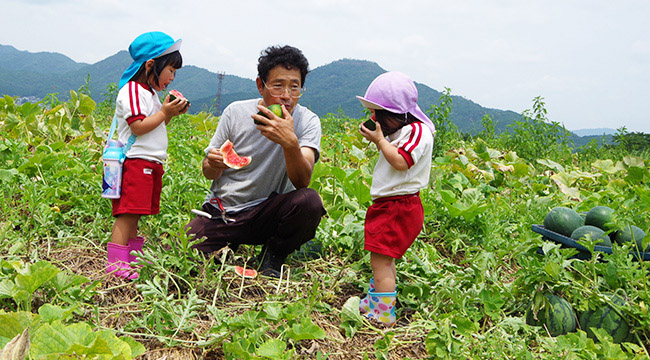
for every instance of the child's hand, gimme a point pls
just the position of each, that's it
(372, 136)
(174, 108)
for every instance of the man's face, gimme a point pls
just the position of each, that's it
(280, 77)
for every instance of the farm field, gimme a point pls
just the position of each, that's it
(465, 290)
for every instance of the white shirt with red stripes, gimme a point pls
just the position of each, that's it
(137, 101)
(415, 144)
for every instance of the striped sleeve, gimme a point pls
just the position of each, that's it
(409, 148)
(137, 105)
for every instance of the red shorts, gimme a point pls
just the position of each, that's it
(392, 224)
(141, 187)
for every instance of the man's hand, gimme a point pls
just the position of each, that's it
(213, 164)
(275, 128)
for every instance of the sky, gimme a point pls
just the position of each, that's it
(588, 59)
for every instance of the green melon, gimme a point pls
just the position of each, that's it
(597, 235)
(598, 216)
(275, 108)
(563, 220)
(557, 314)
(631, 233)
(605, 317)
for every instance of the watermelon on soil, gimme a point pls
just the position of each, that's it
(556, 313)
(600, 215)
(597, 235)
(563, 220)
(231, 158)
(605, 317)
(631, 233)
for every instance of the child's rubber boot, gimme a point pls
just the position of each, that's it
(364, 304)
(382, 307)
(118, 262)
(135, 245)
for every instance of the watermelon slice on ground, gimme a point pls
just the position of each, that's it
(247, 273)
(231, 158)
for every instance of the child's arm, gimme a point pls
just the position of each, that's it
(390, 151)
(392, 155)
(168, 110)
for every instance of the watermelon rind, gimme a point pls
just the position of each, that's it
(174, 94)
(597, 235)
(599, 216)
(556, 313)
(608, 319)
(563, 220)
(275, 108)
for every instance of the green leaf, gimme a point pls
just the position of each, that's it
(273, 311)
(7, 175)
(306, 330)
(272, 348)
(606, 166)
(50, 313)
(552, 164)
(13, 323)
(448, 196)
(552, 269)
(38, 274)
(7, 288)
(137, 349)
(351, 319)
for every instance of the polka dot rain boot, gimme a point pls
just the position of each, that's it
(382, 307)
(364, 304)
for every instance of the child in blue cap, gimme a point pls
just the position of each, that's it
(403, 135)
(141, 122)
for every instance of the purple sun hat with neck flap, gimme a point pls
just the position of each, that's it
(146, 47)
(395, 92)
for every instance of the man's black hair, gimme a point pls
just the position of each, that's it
(287, 56)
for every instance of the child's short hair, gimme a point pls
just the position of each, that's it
(174, 59)
(287, 56)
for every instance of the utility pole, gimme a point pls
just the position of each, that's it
(220, 76)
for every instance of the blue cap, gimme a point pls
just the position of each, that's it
(146, 47)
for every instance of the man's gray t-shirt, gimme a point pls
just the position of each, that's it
(244, 188)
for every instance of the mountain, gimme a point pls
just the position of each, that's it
(329, 89)
(594, 132)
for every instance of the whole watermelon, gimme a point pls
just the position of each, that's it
(600, 215)
(605, 317)
(631, 233)
(557, 314)
(598, 236)
(563, 220)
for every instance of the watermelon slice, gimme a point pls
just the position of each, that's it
(231, 158)
(177, 94)
(247, 273)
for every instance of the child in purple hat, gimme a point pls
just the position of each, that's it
(404, 138)
(141, 121)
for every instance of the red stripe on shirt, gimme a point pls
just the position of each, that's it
(407, 157)
(414, 139)
(134, 98)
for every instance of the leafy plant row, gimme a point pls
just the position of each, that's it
(464, 286)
